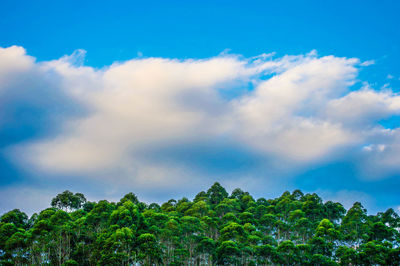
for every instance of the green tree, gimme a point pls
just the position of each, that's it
(228, 253)
(68, 201)
(16, 217)
(216, 193)
(149, 250)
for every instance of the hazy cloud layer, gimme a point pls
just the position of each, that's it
(113, 123)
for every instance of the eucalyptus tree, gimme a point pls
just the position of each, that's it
(214, 228)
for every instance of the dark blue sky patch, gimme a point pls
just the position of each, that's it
(343, 176)
(9, 173)
(35, 108)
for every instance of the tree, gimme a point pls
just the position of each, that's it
(117, 247)
(267, 254)
(206, 249)
(334, 211)
(149, 250)
(216, 193)
(293, 229)
(68, 201)
(129, 197)
(353, 224)
(288, 253)
(228, 253)
(16, 217)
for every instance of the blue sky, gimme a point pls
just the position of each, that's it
(164, 98)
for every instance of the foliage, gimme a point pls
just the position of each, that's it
(214, 229)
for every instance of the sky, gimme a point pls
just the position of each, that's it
(163, 98)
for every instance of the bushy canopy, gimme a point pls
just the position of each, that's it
(214, 229)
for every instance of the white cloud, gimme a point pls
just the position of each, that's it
(374, 147)
(363, 107)
(381, 155)
(14, 65)
(368, 63)
(301, 109)
(135, 104)
(282, 115)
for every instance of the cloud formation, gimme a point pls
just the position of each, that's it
(297, 110)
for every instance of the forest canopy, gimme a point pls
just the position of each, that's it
(215, 228)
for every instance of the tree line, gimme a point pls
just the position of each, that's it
(215, 228)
